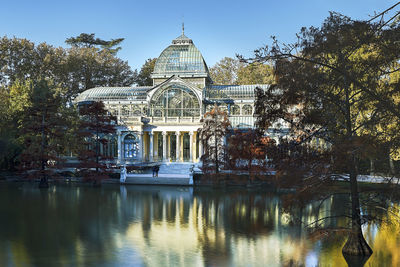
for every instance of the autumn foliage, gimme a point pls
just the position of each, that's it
(212, 136)
(248, 151)
(95, 124)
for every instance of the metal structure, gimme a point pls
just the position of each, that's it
(160, 122)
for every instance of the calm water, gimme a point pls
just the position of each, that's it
(168, 226)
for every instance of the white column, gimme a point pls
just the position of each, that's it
(141, 148)
(191, 147)
(119, 147)
(151, 146)
(164, 146)
(178, 149)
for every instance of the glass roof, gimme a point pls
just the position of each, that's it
(180, 58)
(113, 94)
(232, 91)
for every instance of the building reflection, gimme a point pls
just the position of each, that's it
(171, 226)
(205, 228)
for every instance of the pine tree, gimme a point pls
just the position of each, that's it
(41, 128)
(95, 124)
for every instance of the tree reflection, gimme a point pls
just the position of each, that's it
(179, 226)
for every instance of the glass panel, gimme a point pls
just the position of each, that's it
(247, 110)
(175, 101)
(131, 146)
(180, 58)
(235, 110)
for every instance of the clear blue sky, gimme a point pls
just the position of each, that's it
(218, 28)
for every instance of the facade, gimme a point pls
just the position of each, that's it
(161, 122)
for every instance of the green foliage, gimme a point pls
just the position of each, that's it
(225, 71)
(86, 68)
(233, 71)
(73, 70)
(42, 126)
(89, 40)
(15, 102)
(255, 73)
(65, 73)
(143, 77)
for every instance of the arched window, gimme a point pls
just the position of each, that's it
(175, 101)
(131, 146)
(125, 110)
(109, 147)
(157, 113)
(137, 112)
(235, 110)
(247, 110)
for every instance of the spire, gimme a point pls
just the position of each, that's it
(182, 39)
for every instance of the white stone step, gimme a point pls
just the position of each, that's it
(176, 168)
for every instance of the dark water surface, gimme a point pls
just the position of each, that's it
(169, 226)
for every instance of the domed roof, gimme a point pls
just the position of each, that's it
(181, 58)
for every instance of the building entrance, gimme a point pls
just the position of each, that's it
(186, 146)
(172, 150)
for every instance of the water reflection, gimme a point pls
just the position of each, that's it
(169, 226)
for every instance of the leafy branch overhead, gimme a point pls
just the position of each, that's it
(337, 90)
(89, 41)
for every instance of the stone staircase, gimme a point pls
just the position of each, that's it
(174, 173)
(176, 168)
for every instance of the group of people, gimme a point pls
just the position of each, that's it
(156, 168)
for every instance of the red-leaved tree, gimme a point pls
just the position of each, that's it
(96, 123)
(215, 127)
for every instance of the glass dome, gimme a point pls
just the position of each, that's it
(181, 58)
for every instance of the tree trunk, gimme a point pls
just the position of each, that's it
(356, 244)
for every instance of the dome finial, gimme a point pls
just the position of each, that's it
(183, 26)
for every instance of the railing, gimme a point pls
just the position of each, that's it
(128, 119)
(175, 119)
(138, 119)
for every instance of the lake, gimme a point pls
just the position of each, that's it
(69, 225)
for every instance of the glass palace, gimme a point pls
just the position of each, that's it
(161, 122)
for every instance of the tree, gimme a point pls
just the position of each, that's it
(41, 127)
(95, 124)
(88, 41)
(330, 88)
(234, 71)
(255, 73)
(225, 71)
(212, 136)
(74, 70)
(87, 68)
(246, 147)
(143, 77)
